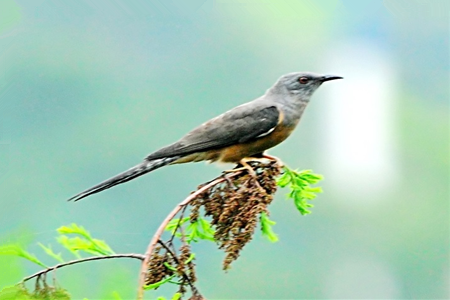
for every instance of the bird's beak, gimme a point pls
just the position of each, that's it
(330, 77)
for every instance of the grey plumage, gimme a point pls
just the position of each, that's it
(254, 126)
(136, 171)
(239, 125)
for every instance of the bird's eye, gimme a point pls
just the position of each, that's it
(303, 80)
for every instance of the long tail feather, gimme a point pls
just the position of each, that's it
(136, 171)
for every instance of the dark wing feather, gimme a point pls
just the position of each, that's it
(239, 125)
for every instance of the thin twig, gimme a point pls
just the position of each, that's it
(170, 242)
(183, 240)
(77, 261)
(193, 288)
(163, 225)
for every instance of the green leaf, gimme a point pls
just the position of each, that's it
(302, 206)
(76, 244)
(195, 231)
(190, 258)
(17, 250)
(68, 244)
(284, 180)
(207, 232)
(266, 228)
(199, 230)
(84, 243)
(158, 284)
(177, 296)
(310, 177)
(315, 190)
(101, 247)
(300, 185)
(192, 232)
(50, 252)
(175, 224)
(74, 229)
(170, 267)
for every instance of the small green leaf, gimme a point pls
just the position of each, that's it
(101, 247)
(199, 230)
(190, 258)
(192, 232)
(170, 267)
(74, 229)
(177, 296)
(284, 180)
(158, 284)
(315, 189)
(207, 232)
(17, 250)
(50, 252)
(84, 242)
(302, 206)
(175, 224)
(67, 243)
(300, 184)
(266, 228)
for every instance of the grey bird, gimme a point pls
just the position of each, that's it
(237, 135)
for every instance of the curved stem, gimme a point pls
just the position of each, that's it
(162, 227)
(193, 288)
(77, 261)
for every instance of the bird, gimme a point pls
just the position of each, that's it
(239, 135)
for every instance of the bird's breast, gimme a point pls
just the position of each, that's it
(235, 153)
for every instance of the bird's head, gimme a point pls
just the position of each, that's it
(301, 84)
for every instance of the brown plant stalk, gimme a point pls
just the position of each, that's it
(157, 236)
(81, 260)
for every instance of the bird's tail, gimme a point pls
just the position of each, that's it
(136, 171)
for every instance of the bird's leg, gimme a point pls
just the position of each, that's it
(245, 166)
(228, 178)
(279, 162)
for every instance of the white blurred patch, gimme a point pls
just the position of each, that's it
(360, 278)
(359, 131)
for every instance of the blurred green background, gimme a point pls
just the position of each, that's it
(88, 88)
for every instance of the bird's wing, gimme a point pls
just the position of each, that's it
(239, 125)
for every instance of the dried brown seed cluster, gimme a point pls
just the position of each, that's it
(166, 262)
(42, 290)
(235, 206)
(157, 271)
(186, 268)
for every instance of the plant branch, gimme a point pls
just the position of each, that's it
(193, 288)
(77, 261)
(163, 225)
(178, 225)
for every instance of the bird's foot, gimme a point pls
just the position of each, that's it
(278, 161)
(245, 167)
